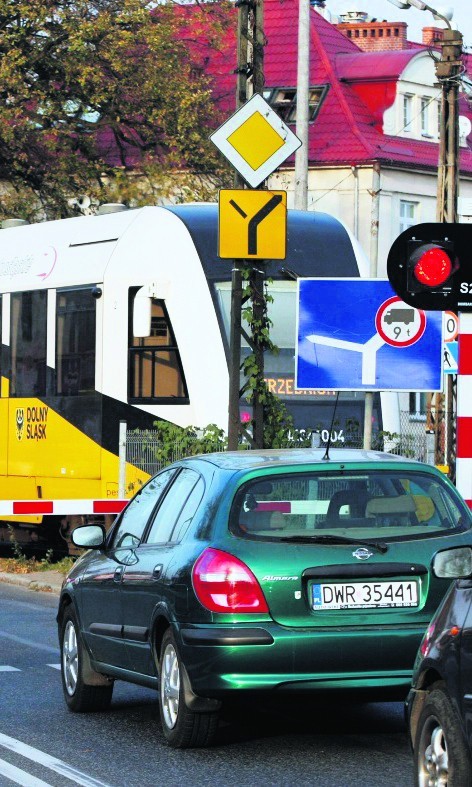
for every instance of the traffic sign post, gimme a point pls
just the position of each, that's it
(451, 326)
(252, 224)
(450, 357)
(355, 334)
(255, 140)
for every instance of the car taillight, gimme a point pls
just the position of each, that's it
(223, 583)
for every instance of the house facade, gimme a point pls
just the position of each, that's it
(374, 140)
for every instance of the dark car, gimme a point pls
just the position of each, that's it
(271, 571)
(439, 706)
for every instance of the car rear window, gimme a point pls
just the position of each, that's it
(404, 503)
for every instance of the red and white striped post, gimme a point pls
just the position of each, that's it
(464, 409)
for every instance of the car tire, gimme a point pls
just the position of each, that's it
(79, 697)
(182, 727)
(440, 752)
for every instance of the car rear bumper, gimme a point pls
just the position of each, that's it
(222, 659)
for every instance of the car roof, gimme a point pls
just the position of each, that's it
(254, 459)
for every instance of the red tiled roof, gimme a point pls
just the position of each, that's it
(347, 129)
(371, 66)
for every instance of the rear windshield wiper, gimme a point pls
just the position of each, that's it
(326, 539)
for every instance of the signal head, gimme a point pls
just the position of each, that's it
(430, 266)
(427, 268)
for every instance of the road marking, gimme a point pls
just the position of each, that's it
(20, 777)
(29, 642)
(58, 766)
(6, 668)
(54, 666)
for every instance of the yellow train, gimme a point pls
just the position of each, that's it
(124, 316)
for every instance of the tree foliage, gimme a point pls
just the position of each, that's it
(107, 98)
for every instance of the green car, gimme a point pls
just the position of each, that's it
(249, 572)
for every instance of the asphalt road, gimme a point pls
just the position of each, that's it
(42, 744)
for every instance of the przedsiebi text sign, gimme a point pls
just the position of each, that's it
(252, 224)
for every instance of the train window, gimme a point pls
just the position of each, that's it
(155, 368)
(28, 343)
(75, 342)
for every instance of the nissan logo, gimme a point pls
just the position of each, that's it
(362, 553)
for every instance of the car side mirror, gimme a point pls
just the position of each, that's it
(453, 563)
(89, 536)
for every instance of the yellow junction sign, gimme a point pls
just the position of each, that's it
(252, 224)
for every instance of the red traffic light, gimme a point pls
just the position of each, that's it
(433, 266)
(427, 268)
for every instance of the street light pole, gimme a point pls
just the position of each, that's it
(303, 88)
(448, 69)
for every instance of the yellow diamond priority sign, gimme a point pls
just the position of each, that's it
(255, 140)
(252, 224)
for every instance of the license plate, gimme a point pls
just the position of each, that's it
(365, 595)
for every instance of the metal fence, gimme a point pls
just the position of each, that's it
(414, 440)
(142, 449)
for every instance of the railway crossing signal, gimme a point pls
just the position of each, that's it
(427, 267)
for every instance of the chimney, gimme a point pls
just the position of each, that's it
(372, 35)
(431, 35)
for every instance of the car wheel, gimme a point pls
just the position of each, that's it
(79, 696)
(182, 727)
(440, 752)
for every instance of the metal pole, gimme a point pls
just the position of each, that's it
(303, 89)
(374, 256)
(250, 80)
(122, 460)
(448, 69)
(257, 274)
(236, 281)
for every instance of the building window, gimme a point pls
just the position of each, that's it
(75, 342)
(28, 343)
(407, 112)
(155, 368)
(425, 103)
(417, 409)
(408, 217)
(283, 100)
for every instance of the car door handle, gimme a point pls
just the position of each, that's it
(157, 571)
(118, 573)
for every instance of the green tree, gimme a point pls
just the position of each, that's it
(107, 98)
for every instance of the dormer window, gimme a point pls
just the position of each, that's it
(283, 100)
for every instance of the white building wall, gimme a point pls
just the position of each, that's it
(347, 194)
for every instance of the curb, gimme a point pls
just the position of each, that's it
(33, 581)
